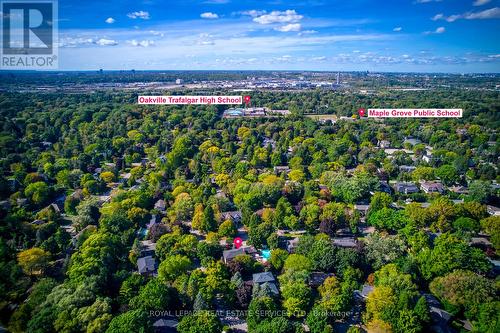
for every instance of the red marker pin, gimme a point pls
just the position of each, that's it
(361, 112)
(237, 242)
(246, 99)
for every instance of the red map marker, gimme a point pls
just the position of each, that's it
(237, 242)
(361, 112)
(246, 99)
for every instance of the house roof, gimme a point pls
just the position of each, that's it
(233, 215)
(407, 167)
(405, 184)
(345, 242)
(492, 210)
(152, 221)
(166, 323)
(146, 264)
(458, 189)
(148, 245)
(480, 241)
(405, 187)
(263, 277)
(230, 254)
(160, 204)
(272, 286)
(432, 186)
(412, 141)
(317, 278)
(364, 291)
(361, 207)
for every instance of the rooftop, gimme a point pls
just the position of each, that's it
(146, 264)
(263, 277)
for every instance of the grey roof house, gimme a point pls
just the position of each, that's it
(229, 255)
(234, 216)
(292, 244)
(266, 278)
(432, 187)
(147, 266)
(406, 188)
(363, 293)
(348, 242)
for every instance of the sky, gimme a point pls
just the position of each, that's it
(459, 36)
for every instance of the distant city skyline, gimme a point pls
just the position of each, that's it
(356, 35)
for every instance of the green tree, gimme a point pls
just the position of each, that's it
(422, 310)
(131, 321)
(382, 249)
(227, 229)
(296, 295)
(260, 308)
(318, 320)
(153, 296)
(463, 290)
(391, 276)
(282, 211)
(408, 322)
(202, 321)
(448, 174)
(380, 200)
(278, 258)
(174, 266)
(388, 219)
(479, 191)
(37, 192)
(298, 262)
(381, 304)
(208, 222)
(466, 224)
(99, 255)
(322, 254)
(423, 173)
(33, 261)
(491, 225)
(450, 253)
(489, 318)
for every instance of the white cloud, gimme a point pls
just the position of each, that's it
(307, 32)
(492, 13)
(110, 20)
(71, 42)
(209, 15)
(205, 39)
(106, 42)
(322, 58)
(285, 58)
(289, 27)
(480, 2)
(253, 12)
(438, 30)
(427, 1)
(437, 17)
(140, 14)
(156, 33)
(142, 43)
(288, 16)
(75, 42)
(453, 18)
(397, 29)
